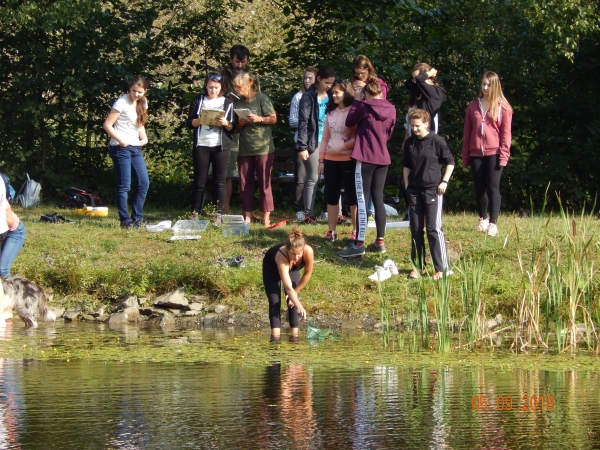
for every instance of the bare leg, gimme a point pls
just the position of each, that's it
(276, 332)
(332, 216)
(228, 189)
(294, 332)
(353, 215)
(248, 216)
(267, 219)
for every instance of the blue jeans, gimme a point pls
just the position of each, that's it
(129, 160)
(11, 247)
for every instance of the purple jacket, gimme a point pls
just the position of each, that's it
(374, 121)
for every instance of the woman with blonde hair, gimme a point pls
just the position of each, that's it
(486, 148)
(281, 265)
(256, 146)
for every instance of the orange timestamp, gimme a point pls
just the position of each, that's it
(505, 403)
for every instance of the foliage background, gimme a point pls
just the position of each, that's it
(64, 62)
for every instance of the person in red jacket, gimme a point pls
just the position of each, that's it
(374, 119)
(486, 148)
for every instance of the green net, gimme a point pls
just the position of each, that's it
(314, 332)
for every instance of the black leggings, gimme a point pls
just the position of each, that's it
(339, 174)
(486, 175)
(203, 157)
(370, 179)
(272, 284)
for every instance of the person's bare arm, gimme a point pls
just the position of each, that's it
(108, 126)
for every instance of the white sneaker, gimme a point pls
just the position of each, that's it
(391, 265)
(492, 230)
(300, 216)
(482, 225)
(380, 274)
(323, 215)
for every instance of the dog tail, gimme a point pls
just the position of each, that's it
(45, 313)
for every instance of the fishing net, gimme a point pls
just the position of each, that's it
(314, 332)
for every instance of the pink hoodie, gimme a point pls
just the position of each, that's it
(338, 140)
(486, 138)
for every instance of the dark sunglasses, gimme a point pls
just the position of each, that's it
(213, 76)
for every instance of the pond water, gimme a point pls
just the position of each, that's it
(89, 387)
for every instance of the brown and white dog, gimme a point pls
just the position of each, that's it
(25, 298)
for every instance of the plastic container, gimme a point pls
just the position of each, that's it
(160, 226)
(189, 227)
(236, 229)
(232, 218)
(394, 224)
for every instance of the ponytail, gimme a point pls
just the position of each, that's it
(141, 108)
(295, 239)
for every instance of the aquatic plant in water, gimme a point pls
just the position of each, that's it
(443, 317)
(558, 281)
(471, 270)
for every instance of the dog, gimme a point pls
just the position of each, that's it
(24, 297)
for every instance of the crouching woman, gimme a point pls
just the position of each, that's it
(281, 265)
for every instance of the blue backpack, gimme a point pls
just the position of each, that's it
(10, 192)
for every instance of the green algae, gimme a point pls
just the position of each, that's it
(255, 349)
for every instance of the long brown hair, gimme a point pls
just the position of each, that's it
(295, 239)
(363, 63)
(346, 87)
(142, 104)
(496, 97)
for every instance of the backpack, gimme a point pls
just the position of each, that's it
(29, 194)
(78, 198)
(10, 191)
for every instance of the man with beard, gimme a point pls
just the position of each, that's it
(238, 60)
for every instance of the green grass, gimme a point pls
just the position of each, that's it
(93, 261)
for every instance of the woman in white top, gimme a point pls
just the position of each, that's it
(125, 126)
(212, 143)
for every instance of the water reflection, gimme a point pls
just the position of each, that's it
(82, 404)
(11, 398)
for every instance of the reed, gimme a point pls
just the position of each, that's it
(384, 311)
(533, 282)
(578, 276)
(472, 270)
(441, 290)
(422, 310)
(557, 283)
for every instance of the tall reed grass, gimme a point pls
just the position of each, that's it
(472, 271)
(557, 284)
(441, 296)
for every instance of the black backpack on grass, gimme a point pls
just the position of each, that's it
(78, 198)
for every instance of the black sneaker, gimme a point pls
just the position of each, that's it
(138, 224)
(377, 248)
(127, 225)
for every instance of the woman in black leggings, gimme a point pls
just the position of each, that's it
(486, 148)
(282, 264)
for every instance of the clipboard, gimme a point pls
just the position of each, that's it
(209, 117)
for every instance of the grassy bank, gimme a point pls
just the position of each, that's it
(94, 261)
